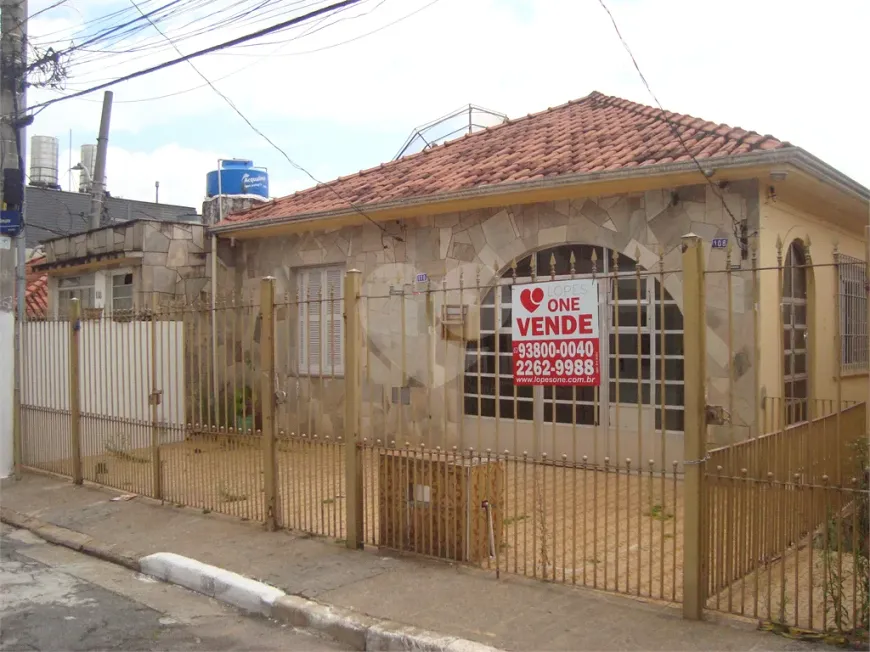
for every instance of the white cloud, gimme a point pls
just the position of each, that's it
(771, 66)
(180, 171)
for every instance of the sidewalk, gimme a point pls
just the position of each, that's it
(511, 613)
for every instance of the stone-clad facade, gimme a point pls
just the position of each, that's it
(166, 258)
(470, 249)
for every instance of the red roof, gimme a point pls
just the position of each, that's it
(36, 295)
(592, 134)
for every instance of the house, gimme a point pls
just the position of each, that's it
(119, 267)
(51, 213)
(598, 186)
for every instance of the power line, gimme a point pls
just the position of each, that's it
(736, 223)
(275, 53)
(42, 11)
(214, 48)
(296, 165)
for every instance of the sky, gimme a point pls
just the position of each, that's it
(796, 70)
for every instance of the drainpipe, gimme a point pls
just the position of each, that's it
(214, 268)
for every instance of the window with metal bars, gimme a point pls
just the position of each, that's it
(852, 279)
(651, 354)
(794, 334)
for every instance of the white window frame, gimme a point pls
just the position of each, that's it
(88, 282)
(110, 290)
(852, 284)
(652, 330)
(326, 311)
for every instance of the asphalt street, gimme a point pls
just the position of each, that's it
(53, 598)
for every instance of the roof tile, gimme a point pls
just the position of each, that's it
(36, 292)
(594, 133)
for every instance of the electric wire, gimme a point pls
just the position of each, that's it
(293, 163)
(676, 131)
(214, 48)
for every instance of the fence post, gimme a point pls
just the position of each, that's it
(695, 426)
(75, 406)
(352, 397)
(867, 316)
(267, 397)
(154, 400)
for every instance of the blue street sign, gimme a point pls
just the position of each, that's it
(10, 222)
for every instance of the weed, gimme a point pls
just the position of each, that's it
(658, 512)
(510, 520)
(228, 497)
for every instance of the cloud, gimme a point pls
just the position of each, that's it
(773, 67)
(180, 171)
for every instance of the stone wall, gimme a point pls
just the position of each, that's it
(472, 248)
(168, 258)
(212, 206)
(173, 261)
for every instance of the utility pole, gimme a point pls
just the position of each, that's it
(99, 182)
(13, 61)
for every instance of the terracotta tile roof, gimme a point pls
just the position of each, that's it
(595, 133)
(36, 294)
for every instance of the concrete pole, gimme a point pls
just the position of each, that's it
(99, 181)
(13, 58)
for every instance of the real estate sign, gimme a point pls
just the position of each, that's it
(555, 333)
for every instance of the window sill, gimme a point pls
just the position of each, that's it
(854, 373)
(316, 374)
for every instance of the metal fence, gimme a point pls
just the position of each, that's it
(785, 525)
(387, 415)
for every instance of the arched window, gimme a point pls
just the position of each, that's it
(794, 334)
(656, 355)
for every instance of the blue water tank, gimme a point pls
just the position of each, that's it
(237, 177)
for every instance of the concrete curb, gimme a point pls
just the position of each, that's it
(217, 583)
(358, 631)
(71, 539)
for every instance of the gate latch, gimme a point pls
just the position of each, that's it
(155, 397)
(717, 415)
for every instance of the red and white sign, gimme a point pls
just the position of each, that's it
(555, 333)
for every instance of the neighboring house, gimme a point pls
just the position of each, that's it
(50, 213)
(118, 268)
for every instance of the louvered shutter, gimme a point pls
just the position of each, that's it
(333, 352)
(310, 336)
